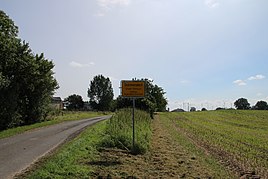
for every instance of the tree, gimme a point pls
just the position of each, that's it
(261, 105)
(100, 93)
(242, 103)
(154, 99)
(193, 109)
(37, 87)
(75, 102)
(203, 109)
(8, 48)
(26, 80)
(158, 94)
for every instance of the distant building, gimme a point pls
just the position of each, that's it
(65, 104)
(56, 103)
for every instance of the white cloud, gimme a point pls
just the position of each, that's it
(80, 65)
(243, 82)
(212, 3)
(257, 77)
(240, 82)
(106, 5)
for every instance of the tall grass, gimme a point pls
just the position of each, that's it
(119, 131)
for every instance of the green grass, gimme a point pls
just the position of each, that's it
(243, 135)
(71, 160)
(119, 131)
(67, 116)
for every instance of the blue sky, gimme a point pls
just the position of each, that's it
(204, 52)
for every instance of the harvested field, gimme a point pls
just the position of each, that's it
(210, 144)
(167, 158)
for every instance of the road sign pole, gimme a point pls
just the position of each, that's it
(133, 124)
(133, 89)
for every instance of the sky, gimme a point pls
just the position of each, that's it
(203, 53)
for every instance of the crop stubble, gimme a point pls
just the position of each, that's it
(166, 159)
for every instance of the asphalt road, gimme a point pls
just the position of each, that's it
(20, 151)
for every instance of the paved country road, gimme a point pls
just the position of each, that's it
(20, 151)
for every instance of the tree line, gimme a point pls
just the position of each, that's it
(26, 79)
(100, 93)
(243, 104)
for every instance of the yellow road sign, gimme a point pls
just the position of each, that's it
(133, 89)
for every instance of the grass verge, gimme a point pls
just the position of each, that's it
(70, 160)
(74, 159)
(67, 116)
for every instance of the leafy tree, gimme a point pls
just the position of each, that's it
(261, 105)
(37, 87)
(154, 99)
(242, 103)
(26, 80)
(157, 94)
(193, 109)
(75, 102)
(100, 93)
(203, 109)
(8, 48)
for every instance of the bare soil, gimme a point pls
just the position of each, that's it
(166, 159)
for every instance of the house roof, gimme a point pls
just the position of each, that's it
(56, 99)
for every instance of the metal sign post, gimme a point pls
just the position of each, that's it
(133, 124)
(133, 90)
